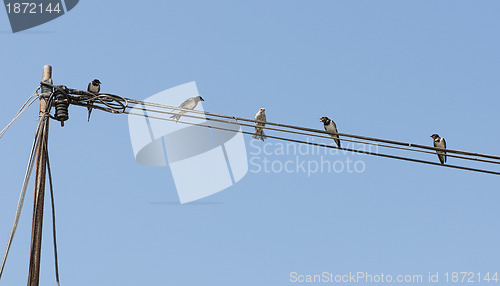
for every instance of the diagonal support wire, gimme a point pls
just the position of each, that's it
(29, 171)
(56, 264)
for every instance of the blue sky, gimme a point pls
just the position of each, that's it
(399, 70)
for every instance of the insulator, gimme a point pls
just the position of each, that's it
(61, 103)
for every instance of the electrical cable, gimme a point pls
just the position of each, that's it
(121, 107)
(29, 170)
(23, 108)
(321, 136)
(20, 203)
(56, 264)
(317, 130)
(326, 146)
(117, 104)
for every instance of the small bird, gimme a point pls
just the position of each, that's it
(440, 143)
(259, 131)
(94, 87)
(330, 126)
(190, 104)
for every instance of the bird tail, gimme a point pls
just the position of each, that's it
(90, 111)
(259, 134)
(176, 117)
(442, 156)
(336, 139)
(338, 142)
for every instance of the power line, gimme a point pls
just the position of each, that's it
(62, 96)
(317, 130)
(29, 171)
(23, 108)
(49, 173)
(121, 107)
(324, 145)
(117, 104)
(38, 150)
(320, 136)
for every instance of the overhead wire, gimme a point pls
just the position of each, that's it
(87, 98)
(23, 108)
(319, 135)
(323, 145)
(53, 208)
(315, 130)
(29, 171)
(117, 104)
(406, 146)
(40, 133)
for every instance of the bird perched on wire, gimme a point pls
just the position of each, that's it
(259, 130)
(190, 104)
(94, 87)
(440, 143)
(330, 126)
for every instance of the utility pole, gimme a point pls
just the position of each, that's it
(41, 164)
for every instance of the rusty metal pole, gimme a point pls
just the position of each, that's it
(41, 164)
